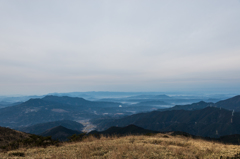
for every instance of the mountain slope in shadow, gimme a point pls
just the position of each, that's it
(207, 122)
(128, 130)
(231, 103)
(8, 135)
(40, 128)
(52, 108)
(61, 133)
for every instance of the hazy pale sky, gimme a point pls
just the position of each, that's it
(119, 45)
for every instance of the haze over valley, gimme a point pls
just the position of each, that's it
(120, 79)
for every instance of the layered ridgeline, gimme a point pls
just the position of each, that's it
(210, 121)
(229, 104)
(53, 108)
(60, 133)
(42, 127)
(203, 119)
(152, 103)
(7, 104)
(163, 99)
(193, 106)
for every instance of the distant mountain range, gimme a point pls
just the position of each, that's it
(76, 101)
(151, 103)
(230, 104)
(103, 94)
(53, 108)
(7, 104)
(193, 106)
(203, 119)
(40, 128)
(172, 100)
(61, 133)
(150, 97)
(208, 122)
(17, 99)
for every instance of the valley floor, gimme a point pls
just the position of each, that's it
(133, 147)
(88, 126)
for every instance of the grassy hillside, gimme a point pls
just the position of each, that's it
(157, 146)
(11, 139)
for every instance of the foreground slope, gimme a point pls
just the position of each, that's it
(8, 135)
(157, 146)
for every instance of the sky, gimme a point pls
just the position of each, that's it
(111, 45)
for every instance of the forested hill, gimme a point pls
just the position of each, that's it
(52, 108)
(229, 104)
(208, 122)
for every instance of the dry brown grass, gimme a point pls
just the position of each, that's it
(133, 147)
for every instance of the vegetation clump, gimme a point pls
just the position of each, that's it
(32, 141)
(20, 154)
(78, 137)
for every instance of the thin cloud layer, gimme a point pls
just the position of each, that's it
(50, 46)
